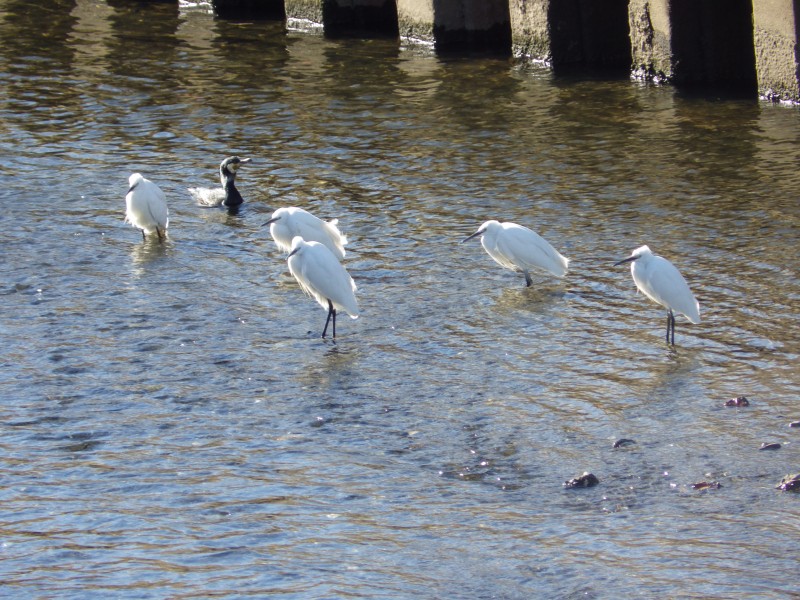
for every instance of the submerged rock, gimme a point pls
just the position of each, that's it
(738, 401)
(624, 442)
(707, 485)
(772, 446)
(585, 480)
(790, 483)
(794, 424)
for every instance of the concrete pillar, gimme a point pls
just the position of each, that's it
(415, 19)
(573, 33)
(693, 43)
(310, 10)
(651, 55)
(530, 29)
(249, 9)
(453, 25)
(777, 47)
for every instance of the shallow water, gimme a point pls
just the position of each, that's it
(173, 426)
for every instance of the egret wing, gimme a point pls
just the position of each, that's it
(660, 280)
(337, 237)
(157, 205)
(501, 253)
(314, 229)
(322, 276)
(527, 250)
(147, 206)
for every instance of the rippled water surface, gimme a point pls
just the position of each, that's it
(173, 426)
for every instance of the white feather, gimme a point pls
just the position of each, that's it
(290, 222)
(322, 276)
(518, 248)
(146, 206)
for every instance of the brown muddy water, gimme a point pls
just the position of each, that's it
(173, 426)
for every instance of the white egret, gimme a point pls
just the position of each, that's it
(660, 280)
(286, 223)
(518, 248)
(146, 206)
(323, 278)
(227, 196)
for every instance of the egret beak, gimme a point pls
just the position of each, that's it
(626, 260)
(272, 220)
(293, 252)
(476, 234)
(244, 160)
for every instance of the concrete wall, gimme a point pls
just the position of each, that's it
(651, 56)
(310, 10)
(416, 19)
(743, 45)
(738, 44)
(777, 47)
(530, 31)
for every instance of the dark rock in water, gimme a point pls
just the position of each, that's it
(794, 424)
(738, 401)
(707, 485)
(585, 480)
(790, 483)
(773, 446)
(624, 442)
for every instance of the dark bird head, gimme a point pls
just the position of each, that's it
(229, 167)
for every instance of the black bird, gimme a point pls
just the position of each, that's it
(227, 195)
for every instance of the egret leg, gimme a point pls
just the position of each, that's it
(144, 237)
(331, 312)
(528, 280)
(160, 235)
(670, 327)
(673, 329)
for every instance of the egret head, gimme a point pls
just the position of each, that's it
(276, 216)
(481, 230)
(635, 255)
(297, 244)
(134, 180)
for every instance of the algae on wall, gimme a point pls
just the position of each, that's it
(651, 55)
(530, 32)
